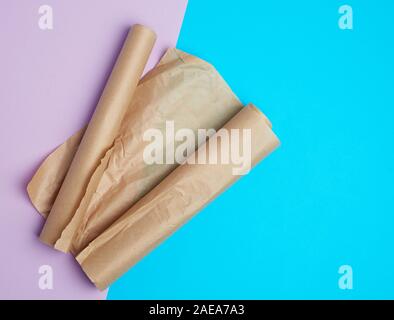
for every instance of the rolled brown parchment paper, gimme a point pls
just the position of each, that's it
(172, 202)
(181, 88)
(101, 131)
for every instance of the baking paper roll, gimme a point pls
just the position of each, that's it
(170, 204)
(181, 88)
(102, 129)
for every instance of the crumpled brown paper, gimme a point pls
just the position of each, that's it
(171, 203)
(181, 88)
(116, 208)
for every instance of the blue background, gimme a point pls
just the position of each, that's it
(325, 197)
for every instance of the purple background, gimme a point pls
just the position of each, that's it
(50, 82)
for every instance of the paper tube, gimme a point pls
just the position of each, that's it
(170, 204)
(182, 89)
(102, 129)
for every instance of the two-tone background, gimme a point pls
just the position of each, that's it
(318, 211)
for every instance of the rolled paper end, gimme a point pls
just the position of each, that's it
(47, 238)
(96, 273)
(141, 28)
(253, 107)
